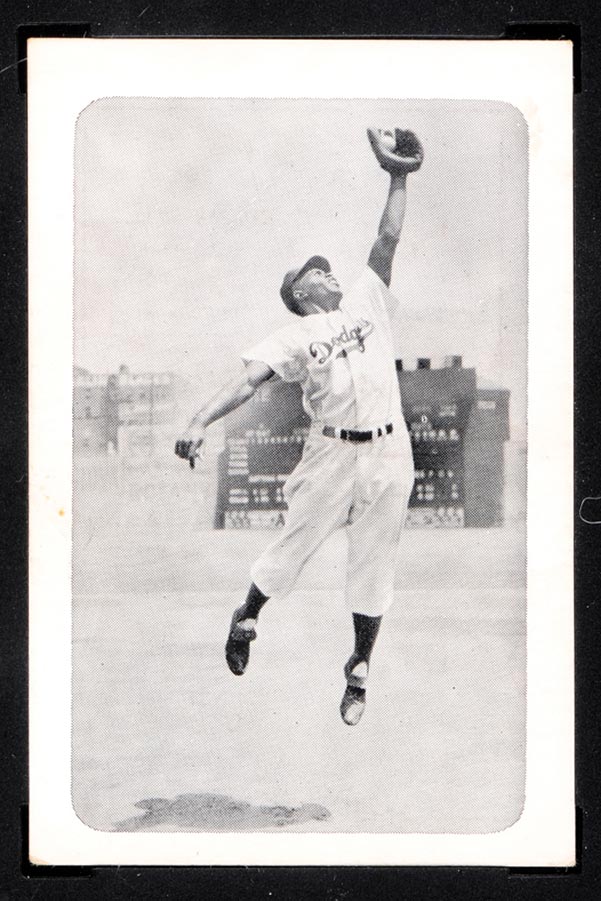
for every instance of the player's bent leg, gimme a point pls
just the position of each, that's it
(316, 507)
(356, 668)
(280, 565)
(319, 495)
(243, 630)
(373, 535)
(379, 510)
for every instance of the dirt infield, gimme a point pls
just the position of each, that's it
(166, 739)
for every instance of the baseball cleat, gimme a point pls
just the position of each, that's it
(237, 648)
(354, 697)
(352, 705)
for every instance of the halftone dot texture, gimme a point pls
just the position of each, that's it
(187, 214)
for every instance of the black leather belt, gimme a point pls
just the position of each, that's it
(352, 435)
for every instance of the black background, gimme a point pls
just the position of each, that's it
(579, 21)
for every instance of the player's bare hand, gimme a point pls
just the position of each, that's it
(397, 151)
(189, 446)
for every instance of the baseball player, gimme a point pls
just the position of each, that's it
(356, 470)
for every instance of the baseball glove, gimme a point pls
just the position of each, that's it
(396, 151)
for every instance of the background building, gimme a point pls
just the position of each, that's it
(125, 413)
(459, 433)
(91, 429)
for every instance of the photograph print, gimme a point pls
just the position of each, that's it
(299, 465)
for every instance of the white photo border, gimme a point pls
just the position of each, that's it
(64, 77)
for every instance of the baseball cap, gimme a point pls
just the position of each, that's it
(286, 291)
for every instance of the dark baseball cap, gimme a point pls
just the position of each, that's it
(287, 289)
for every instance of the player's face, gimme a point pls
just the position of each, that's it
(321, 289)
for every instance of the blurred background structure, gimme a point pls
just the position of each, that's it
(459, 433)
(125, 413)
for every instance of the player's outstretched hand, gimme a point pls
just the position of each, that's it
(188, 447)
(396, 150)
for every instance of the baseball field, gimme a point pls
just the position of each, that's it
(165, 738)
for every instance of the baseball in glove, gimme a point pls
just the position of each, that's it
(396, 150)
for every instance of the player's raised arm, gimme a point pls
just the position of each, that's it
(398, 153)
(227, 399)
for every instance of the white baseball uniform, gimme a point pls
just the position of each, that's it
(344, 361)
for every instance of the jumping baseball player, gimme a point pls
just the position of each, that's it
(356, 470)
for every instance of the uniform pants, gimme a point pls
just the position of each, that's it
(361, 487)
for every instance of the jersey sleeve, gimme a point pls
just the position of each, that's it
(370, 296)
(379, 293)
(281, 354)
